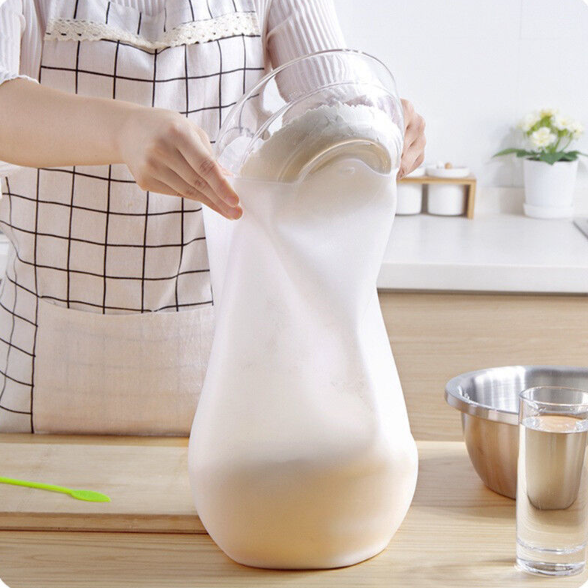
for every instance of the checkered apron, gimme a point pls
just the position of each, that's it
(106, 310)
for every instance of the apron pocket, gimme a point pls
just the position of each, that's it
(131, 374)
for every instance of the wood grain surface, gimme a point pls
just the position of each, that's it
(436, 336)
(457, 534)
(146, 479)
(435, 180)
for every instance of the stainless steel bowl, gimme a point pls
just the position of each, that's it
(488, 401)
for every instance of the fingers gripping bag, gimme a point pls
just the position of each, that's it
(301, 454)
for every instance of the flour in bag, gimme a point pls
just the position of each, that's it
(301, 455)
(291, 147)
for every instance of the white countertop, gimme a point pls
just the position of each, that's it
(493, 252)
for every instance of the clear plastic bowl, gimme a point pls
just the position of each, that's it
(356, 112)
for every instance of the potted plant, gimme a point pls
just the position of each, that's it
(549, 169)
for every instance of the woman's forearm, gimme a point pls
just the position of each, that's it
(42, 127)
(164, 151)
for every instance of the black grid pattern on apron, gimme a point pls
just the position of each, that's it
(98, 253)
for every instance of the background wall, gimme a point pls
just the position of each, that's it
(473, 68)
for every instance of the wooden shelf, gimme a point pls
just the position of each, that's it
(468, 181)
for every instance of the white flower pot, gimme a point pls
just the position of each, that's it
(549, 189)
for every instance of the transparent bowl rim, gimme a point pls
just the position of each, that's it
(286, 65)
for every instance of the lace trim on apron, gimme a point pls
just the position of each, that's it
(203, 31)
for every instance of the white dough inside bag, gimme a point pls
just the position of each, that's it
(301, 454)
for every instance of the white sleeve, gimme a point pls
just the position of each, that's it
(294, 28)
(20, 46)
(15, 29)
(299, 27)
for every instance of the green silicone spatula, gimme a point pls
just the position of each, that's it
(88, 495)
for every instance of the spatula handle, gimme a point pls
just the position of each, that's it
(39, 485)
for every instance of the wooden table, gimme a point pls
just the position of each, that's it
(456, 534)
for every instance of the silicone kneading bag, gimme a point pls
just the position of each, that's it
(301, 454)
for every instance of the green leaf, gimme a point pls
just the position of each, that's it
(518, 152)
(549, 158)
(572, 155)
(505, 152)
(556, 156)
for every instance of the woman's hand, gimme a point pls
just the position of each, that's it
(166, 153)
(43, 127)
(413, 153)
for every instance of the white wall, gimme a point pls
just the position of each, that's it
(474, 67)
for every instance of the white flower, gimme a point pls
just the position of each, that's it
(568, 124)
(576, 129)
(529, 121)
(542, 138)
(562, 123)
(548, 112)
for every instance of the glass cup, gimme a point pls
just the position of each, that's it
(552, 481)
